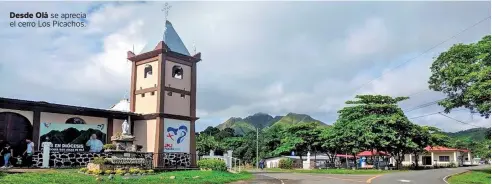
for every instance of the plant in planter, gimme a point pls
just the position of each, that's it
(120, 172)
(97, 163)
(109, 147)
(108, 172)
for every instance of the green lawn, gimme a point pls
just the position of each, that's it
(473, 177)
(333, 171)
(72, 177)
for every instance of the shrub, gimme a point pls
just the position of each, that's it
(95, 171)
(109, 146)
(108, 172)
(120, 172)
(134, 170)
(212, 164)
(83, 170)
(98, 160)
(150, 171)
(142, 171)
(285, 163)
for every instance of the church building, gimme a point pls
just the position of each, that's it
(161, 110)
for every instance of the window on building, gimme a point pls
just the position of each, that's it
(177, 72)
(143, 94)
(75, 120)
(152, 93)
(169, 93)
(443, 158)
(147, 70)
(182, 95)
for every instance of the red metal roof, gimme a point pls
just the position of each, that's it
(442, 148)
(374, 153)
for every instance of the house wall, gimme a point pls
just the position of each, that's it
(272, 162)
(28, 114)
(144, 132)
(408, 162)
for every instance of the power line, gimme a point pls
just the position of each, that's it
(423, 105)
(435, 46)
(460, 121)
(435, 114)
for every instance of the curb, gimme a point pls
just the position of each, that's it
(448, 176)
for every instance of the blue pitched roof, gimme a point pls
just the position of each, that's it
(171, 38)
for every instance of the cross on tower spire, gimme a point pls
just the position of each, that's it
(166, 9)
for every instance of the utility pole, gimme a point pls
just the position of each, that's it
(257, 158)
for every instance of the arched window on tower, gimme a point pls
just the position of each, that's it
(147, 70)
(75, 120)
(177, 72)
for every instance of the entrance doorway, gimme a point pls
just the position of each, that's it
(14, 129)
(426, 160)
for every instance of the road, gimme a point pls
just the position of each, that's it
(434, 176)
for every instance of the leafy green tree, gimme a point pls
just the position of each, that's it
(205, 143)
(225, 133)
(211, 131)
(463, 74)
(374, 122)
(329, 143)
(300, 138)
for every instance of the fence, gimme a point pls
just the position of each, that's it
(233, 164)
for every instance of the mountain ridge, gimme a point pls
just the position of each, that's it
(263, 120)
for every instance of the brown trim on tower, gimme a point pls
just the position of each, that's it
(146, 90)
(133, 85)
(180, 91)
(193, 114)
(150, 60)
(173, 54)
(161, 79)
(36, 125)
(187, 63)
(110, 130)
(165, 115)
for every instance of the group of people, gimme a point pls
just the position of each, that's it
(7, 152)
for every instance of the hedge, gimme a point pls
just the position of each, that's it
(212, 164)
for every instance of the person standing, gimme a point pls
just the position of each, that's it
(95, 144)
(7, 152)
(29, 152)
(262, 164)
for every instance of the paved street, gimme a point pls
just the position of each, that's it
(434, 176)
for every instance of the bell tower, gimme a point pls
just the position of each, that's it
(163, 90)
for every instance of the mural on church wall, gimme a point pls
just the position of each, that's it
(176, 136)
(74, 137)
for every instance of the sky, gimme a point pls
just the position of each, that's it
(271, 57)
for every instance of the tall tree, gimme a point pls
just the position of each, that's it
(463, 74)
(300, 138)
(374, 122)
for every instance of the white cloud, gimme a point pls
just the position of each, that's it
(257, 56)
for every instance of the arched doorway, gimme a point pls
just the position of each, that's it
(14, 129)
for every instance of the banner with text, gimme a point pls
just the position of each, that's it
(73, 137)
(176, 136)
